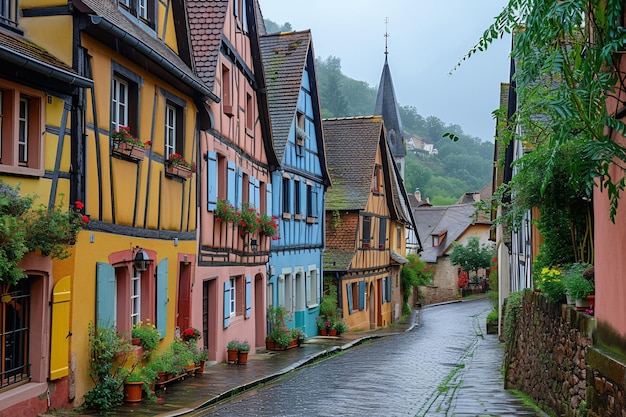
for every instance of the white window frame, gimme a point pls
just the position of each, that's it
(170, 130)
(22, 139)
(233, 303)
(312, 286)
(142, 9)
(119, 102)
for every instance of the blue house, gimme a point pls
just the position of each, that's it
(295, 267)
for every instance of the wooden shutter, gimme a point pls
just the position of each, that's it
(211, 180)
(231, 183)
(382, 234)
(388, 288)
(239, 188)
(349, 294)
(161, 297)
(268, 200)
(248, 296)
(226, 304)
(105, 295)
(60, 329)
(362, 295)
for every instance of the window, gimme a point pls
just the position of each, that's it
(312, 209)
(249, 113)
(125, 99)
(227, 88)
(398, 236)
(8, 13)
(135, 298)
(119, 104)
(14, 335)
(313, 287)
(296, 199)
(170, 130)
(21, 130)
(144, 10)
(356, 296)
(366, 231)
(382, 234)
(286, 198)
(377, 184)
(233, 296)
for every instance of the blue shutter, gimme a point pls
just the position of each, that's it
(105, 295)
(239, 188)
(361, 295)
(226, 304)
(349, 294)
(231, 183)
(314, 204)
(268, 199)
(257, 193)
(248, 296)
(388, 288)
(161, 297)
(211, 180)
(251, 194)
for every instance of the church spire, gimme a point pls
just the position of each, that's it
(386, 36)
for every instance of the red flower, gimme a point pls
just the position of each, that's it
(86, 219)
(148, 143)
(79, 205)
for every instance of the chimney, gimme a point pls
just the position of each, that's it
(418, 195)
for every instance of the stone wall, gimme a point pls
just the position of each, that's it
(546, 358)
(607, 384)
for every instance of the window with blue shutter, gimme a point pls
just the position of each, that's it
(226, 304)
(315, 202)
(268, 193)
(361, 295)
(161, 297)
(239, 188)
(211, 180)
(105, 295)
(248, 296)
(231, 183)
(349, 294)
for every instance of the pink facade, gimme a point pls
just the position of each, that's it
(228, 292)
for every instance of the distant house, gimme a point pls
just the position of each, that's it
(298, 188)
(365, 227)
(439, 227)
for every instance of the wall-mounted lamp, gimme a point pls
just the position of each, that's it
(272, 270)
(141, 260)
(253, 245)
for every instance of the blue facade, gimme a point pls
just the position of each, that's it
(298, 202)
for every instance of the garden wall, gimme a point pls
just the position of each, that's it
(546, 355)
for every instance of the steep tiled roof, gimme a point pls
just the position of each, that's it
(337, 260)
(453, 220)
(284, 57)
(19, 45)
(109, 11)
(351, 145)
(206, 22)
(340, 241)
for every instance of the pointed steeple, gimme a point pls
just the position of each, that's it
(387, 107)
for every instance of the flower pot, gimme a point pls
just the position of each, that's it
(136, 341)
(201, 366)
(242, 357)
(323, 331)
(162, 377)
(132, 391)
(332, 332)
(582, 304)
(232, 355)
(569, 299)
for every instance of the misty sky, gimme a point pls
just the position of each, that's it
(426, 40)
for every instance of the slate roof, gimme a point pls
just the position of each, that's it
(12, 42)
(108, 10)
(284, 57)
(387, 106)
(206, 23)
(436, 219)
(351, 145)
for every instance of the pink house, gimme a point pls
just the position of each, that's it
(227, 295)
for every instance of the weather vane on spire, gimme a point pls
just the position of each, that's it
(386, 34)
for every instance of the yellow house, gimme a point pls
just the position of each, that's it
(365, 226)
(132, 67)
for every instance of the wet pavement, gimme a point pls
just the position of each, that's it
(454, 371)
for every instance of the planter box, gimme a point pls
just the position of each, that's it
(179, 171)
(131, 152)
(271, 345)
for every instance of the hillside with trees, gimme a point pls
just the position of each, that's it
(459, 167)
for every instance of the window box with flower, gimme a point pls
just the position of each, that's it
(268, 225)
(147, 334)
(177, 166)
(127, 146)
(247, 219)
(225, 212)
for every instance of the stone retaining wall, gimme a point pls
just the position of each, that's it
(547, 356)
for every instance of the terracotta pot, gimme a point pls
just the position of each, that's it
(162, 377)
(136, 341)
(323, 331)
(132, 392)
(242, 357)
(201, 366)
(332, 332)
(232, 355)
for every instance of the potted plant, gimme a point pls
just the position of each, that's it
(550, 282)
(202, 355)
(579, 288)
(139, 378)
(124, 143)
(243, 348)
(225, 212)
(178, 166)
(322, 327)
(232, 349)
(279, 336)
(340, 326)
(184, 356)
(267, 225)
(247, 219)
(164, 364)
(147, 334)
(190, 334)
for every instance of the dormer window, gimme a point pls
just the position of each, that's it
(377, 184)
(439, 238)
(144, 10)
